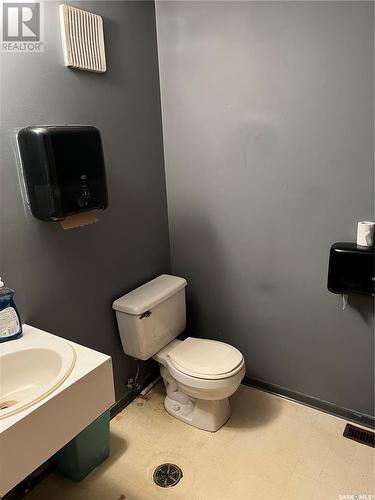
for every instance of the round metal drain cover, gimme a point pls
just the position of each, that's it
(166, 475)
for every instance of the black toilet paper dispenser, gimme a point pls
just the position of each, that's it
(351, 269)
(63, 168)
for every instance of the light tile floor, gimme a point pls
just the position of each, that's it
(271, 448)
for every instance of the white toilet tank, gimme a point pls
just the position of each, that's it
(151, 316)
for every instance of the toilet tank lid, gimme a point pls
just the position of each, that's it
(149, 295)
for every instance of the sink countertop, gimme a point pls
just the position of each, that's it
(87, 360)
(34, 434)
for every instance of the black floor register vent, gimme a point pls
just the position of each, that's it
(360, 435)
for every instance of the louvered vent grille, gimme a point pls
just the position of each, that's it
(83, 39)
(360, 435)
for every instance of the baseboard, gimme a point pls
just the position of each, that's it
(353, 416)
(123, 403)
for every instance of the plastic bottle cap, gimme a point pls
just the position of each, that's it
(1, 283)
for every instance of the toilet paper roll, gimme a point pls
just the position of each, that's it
(79, 220)
(365, 233)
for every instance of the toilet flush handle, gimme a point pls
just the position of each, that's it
(146, 314)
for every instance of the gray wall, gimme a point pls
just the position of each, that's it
(65, 281)
(267, 116)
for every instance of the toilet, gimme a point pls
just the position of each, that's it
(199, 374)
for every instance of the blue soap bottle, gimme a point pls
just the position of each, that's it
(10, 321)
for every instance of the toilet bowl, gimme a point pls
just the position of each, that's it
(199, 374)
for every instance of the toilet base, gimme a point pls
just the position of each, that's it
(201, 413)
(206, 414)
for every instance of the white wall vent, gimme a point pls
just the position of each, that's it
(82, 39)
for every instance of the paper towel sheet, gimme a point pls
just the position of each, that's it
(79, 220)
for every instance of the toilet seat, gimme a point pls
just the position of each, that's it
(205, 359)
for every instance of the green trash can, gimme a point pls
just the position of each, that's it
(86, 451)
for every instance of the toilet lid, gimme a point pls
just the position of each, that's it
(205, 358)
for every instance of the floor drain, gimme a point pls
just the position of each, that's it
(166, 475)
(7, 404)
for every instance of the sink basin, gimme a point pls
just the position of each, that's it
(30, 373)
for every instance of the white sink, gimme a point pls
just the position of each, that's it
(52, 389)
(30, 373)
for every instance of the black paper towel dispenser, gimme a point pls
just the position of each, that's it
(64, 171)
(351, 269)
